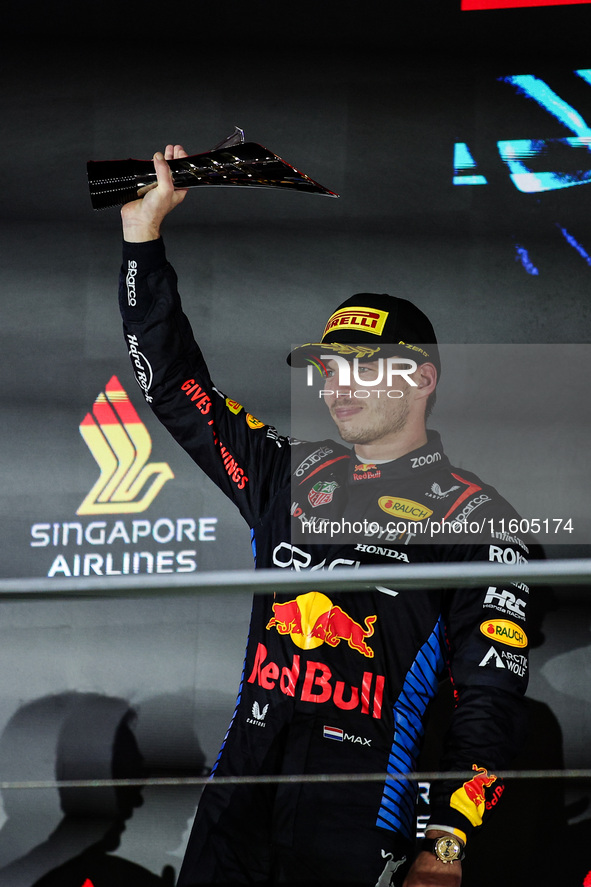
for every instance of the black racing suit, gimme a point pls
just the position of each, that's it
(337, 683)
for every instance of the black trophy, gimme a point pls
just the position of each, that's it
(232, 162)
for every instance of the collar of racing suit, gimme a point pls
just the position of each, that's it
(428, 455)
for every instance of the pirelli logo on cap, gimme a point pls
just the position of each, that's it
(370, 320)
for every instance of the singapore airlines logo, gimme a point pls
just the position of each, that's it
(121, 445)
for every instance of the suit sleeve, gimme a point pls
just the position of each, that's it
(248, 460)
(488, 631)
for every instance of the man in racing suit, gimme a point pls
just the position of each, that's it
(341, 683)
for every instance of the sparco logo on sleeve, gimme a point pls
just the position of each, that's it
(130, 282)
(311, 460)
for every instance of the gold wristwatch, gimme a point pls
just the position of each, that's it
(446, 848)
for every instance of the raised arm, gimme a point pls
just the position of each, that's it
(237, 451)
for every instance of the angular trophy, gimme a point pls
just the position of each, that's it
(232, 162)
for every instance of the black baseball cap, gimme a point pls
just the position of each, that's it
(373, 325)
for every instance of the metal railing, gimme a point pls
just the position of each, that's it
(572, 574)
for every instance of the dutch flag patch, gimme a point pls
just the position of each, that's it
(333, 733)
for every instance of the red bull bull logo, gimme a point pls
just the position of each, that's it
(312, 619)
(470, 799)
(366, 471)
(317, 684)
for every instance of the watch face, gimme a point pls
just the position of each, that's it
(447, 849)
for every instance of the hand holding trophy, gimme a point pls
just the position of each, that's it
(232, 162)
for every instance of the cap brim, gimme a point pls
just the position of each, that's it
(302, 354)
